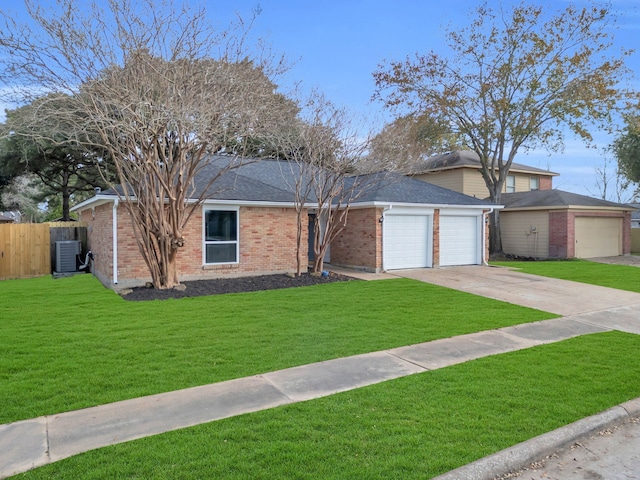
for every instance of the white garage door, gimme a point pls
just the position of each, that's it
(406, 241)
(459, 240)
(598, 237)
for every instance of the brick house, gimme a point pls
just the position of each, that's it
(558, 224)
(537, 221)
(247, 226)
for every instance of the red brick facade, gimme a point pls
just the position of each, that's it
(546, 183)
(267, 244)
(436, 237)
(359, 245)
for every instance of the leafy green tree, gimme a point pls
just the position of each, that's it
(62, 166)
(626, 148)
(516, 80)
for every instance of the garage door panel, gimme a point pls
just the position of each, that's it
(598, 237)
(406, 242)
(459, 240)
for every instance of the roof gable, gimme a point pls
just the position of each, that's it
(468, 159)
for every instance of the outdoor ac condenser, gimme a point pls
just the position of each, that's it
(66, 251)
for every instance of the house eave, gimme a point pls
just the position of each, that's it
(379, 204)
(93, 202)
(543, 173)
(570, 207)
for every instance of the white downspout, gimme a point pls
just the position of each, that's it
(484, 236)
(384, 210)
(115, 241)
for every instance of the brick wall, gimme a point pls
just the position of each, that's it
(436, 237)
(561, 235)
(99, 239)
(546, 183)
(359, 245)
(267, 245)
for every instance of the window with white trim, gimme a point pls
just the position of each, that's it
(220, 236)
(511, 184)
(534, 183)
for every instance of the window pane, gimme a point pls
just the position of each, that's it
(222, 253)
(220, 225)
(535, 183)
(511, 183)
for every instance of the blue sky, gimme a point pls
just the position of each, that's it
(337, 44)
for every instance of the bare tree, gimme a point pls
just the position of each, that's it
(618, 191)
(327, 169)
(517, 79)
(159, 91)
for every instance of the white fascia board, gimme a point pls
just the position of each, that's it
(573, 208)
(93, 202)
(427, 205)
(249, 203)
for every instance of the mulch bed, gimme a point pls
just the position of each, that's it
(221, 286)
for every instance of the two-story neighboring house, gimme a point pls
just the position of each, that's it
(460, 171)
(537, 221)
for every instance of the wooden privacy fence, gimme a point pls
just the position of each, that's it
(28, 249)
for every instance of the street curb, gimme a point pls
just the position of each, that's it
(518, 456)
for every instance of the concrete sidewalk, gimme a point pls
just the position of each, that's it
(31, 443)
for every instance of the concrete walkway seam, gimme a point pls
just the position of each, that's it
(523, 454)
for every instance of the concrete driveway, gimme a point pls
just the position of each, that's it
(549, 294)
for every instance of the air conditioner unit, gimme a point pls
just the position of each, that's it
(66, 251)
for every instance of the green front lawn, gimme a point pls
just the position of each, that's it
(622, 277)
(70, 343)
(413, 427)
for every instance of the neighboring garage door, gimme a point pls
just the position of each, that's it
(459, 240)
(406, 241)
(598, 237)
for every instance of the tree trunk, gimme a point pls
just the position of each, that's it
(495, 237)
(299, 242)
(65, 205)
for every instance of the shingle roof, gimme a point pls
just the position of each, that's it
(466, 158)
(274, 181)
(397, 188)
(555, 198)
(635, 215)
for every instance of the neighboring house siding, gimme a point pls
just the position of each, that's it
(474, 184)
(525, 234)
(451, 179)
(523, 182)
(470, 182)
(359, 245)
